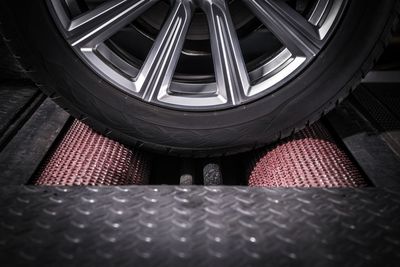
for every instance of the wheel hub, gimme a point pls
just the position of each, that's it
(152, 21)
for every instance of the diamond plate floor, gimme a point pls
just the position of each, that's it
(198, 226)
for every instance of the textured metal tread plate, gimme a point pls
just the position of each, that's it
(376, 111)
(388, 95)
(381, 109)
(198, 226)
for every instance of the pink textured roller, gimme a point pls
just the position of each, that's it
(310, 158)
(85, 157)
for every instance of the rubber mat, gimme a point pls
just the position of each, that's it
(85, 157)
(310, 158)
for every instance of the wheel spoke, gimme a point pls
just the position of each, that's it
(230, 69)
(319, 11)
(158, 70)
(293, 30)
(96, 26)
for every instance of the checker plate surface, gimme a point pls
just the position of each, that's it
(199, 226)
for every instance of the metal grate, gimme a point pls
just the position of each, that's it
(85, 157)
(310, 158)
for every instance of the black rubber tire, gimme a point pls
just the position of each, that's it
(10, 67)
(359, 40)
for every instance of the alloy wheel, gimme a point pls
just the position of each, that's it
(201, 54)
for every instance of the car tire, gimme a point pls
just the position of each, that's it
(357, 42)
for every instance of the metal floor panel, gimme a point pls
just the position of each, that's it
(198, 226)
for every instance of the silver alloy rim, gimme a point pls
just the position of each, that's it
(302, 38)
